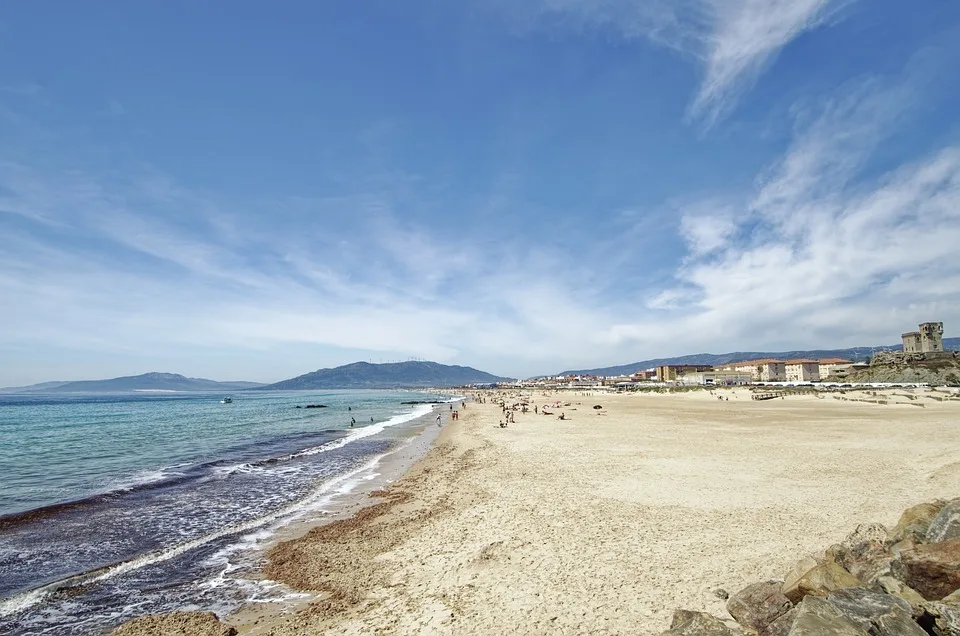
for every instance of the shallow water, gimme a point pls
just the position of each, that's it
(116, 506)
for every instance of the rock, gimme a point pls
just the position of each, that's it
(817, 617)
(781, 626)
(940, 619)
(721, 594)
(915, 521)
(686, 623)
(932, 569)
(862, 606)
(803, 566)
(896, 622)
(946, 525)
(866, 560)
(866, 532)
(951, 599)
(758, 605)
(898, 588)
(820, 581)
(175, 624)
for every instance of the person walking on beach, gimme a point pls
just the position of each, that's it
(439, 418)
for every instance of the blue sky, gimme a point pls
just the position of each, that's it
(254, 190)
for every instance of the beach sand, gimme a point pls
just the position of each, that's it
(605, 523)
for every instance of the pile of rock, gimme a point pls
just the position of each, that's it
(901, 582)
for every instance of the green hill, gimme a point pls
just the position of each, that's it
(394, 375)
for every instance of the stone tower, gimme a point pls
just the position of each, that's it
(931, 337)
(928, 340)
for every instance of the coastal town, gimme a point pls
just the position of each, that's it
(925, 344)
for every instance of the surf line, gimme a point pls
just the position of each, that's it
(25, 600)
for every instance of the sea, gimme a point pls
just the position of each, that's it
(115, 506)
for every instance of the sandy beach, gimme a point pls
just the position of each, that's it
(609, 520)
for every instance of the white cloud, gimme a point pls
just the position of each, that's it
(733, 40)
(708, 227)
(824, 253)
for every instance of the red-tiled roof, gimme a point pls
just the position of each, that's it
(746, 363)
(834, 361)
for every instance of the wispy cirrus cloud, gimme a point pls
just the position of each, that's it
(820, 250)
(734, 41)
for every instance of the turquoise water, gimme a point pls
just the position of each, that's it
(118, 505)
(56, 448)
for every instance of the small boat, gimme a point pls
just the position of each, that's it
(226, 401)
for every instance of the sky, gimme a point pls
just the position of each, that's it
(253, 190)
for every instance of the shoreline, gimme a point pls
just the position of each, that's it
(255, 618)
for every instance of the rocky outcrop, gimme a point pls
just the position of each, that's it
(915, 521)
(946, 525)
(820, 581)
(896, 366)
(698, 624)
(818, 617)
(932, 569)
(176, 624)
(940, 619)
(757, 606)
(865, 607)
(901, 582)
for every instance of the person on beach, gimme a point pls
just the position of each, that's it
(439, 419)
(353, 421)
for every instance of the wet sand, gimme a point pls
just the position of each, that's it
(604, 523)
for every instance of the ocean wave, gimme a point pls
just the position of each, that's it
(179, 474)
(357, 434)
(321, 496)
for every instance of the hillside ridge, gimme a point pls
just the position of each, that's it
(855, 354)
(390, 375)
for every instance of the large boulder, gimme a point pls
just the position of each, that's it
(781, 626)
(820, 581)
(686, 623)
(803, 566)
(932, 569)
(175, 624)
(893, 585)
(952, 598)
(940, 619)
(863, 606)
(866, 560)
(866, 532)
(896, 622)
(758, 605)
(946, 525)
(817, 617)
(915, 521)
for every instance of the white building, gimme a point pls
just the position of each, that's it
(802, 370)
(761, 370)
(833, 366)
(716, 378)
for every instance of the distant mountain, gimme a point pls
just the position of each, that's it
(43, 386)
(145, 382)
(394, 375)
(855, 354)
